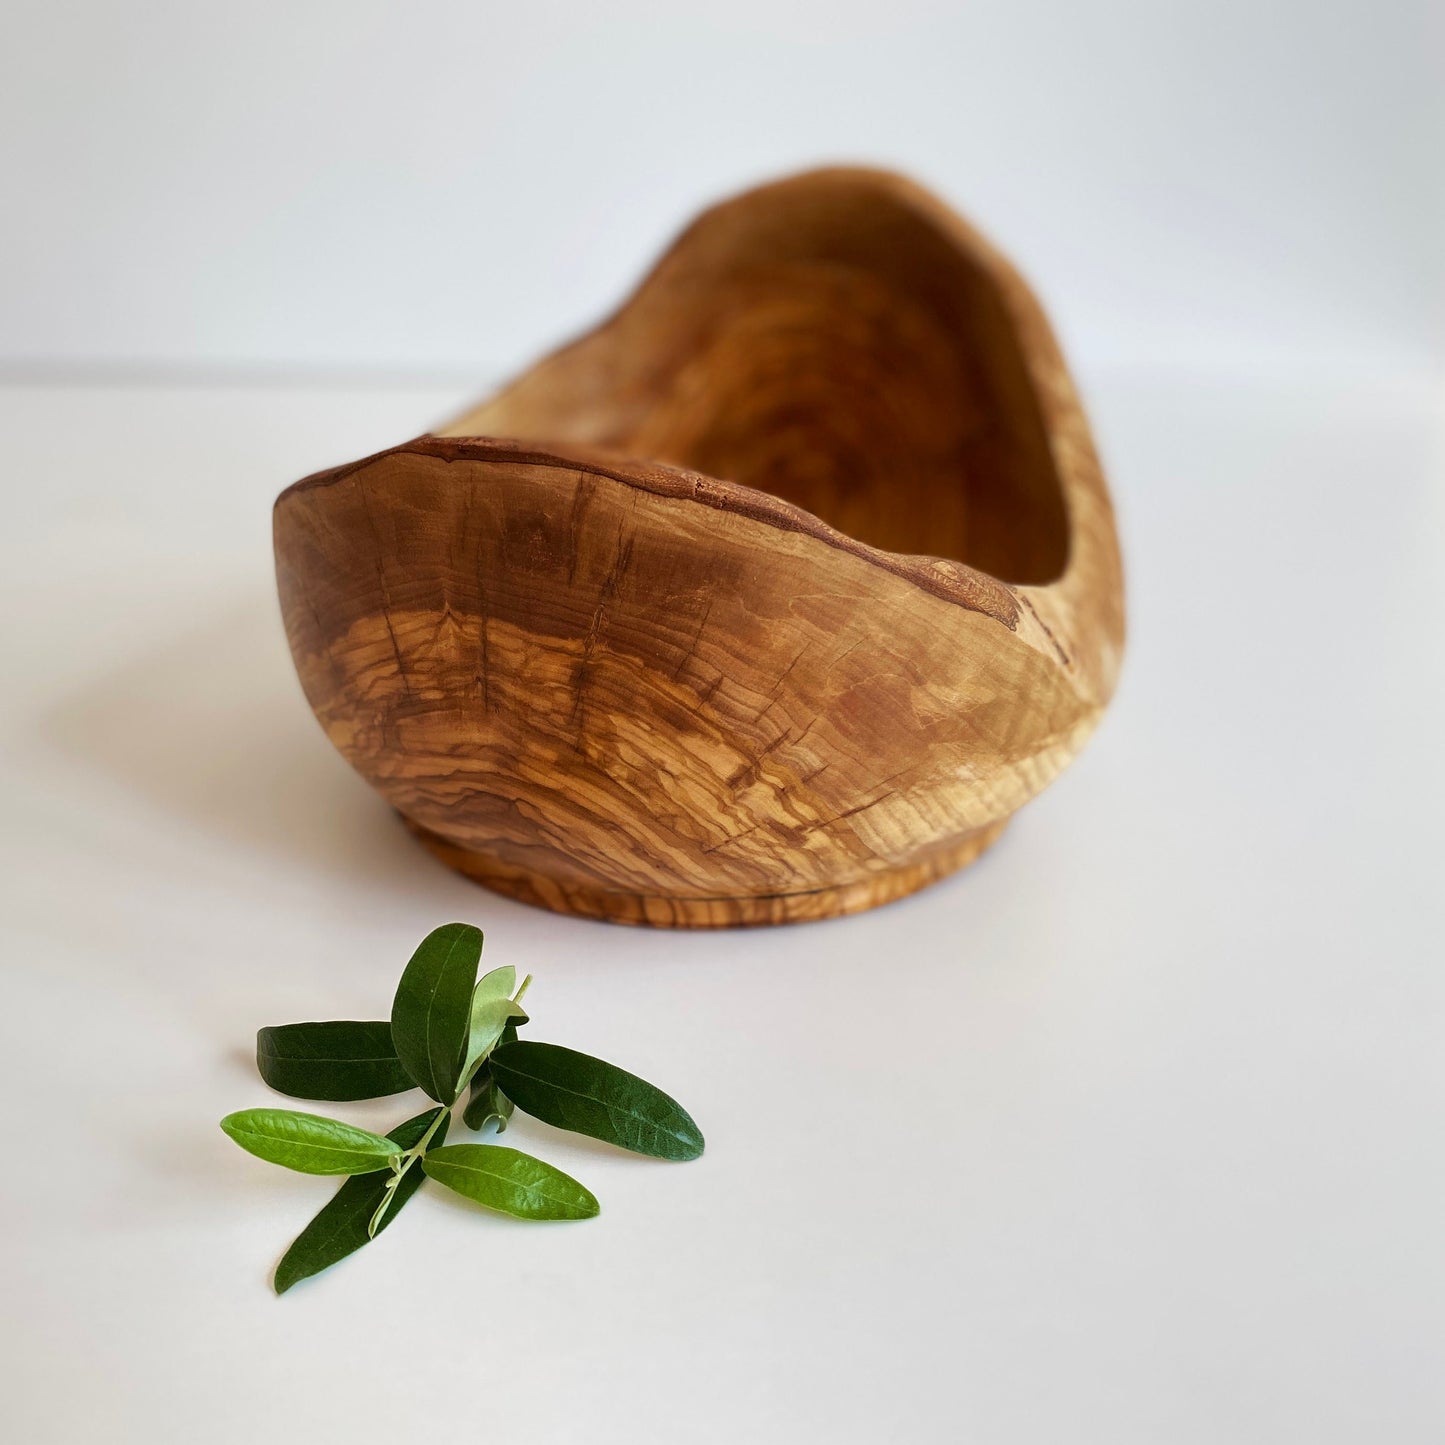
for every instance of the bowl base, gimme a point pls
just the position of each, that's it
(663, 911)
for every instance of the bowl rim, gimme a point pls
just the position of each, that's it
(944, 577)
(1078, 616)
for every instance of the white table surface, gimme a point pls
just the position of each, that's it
(1130, 1133)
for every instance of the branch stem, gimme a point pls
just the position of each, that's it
(408, 1159)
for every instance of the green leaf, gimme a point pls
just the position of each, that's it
(336, 1060)
(307, 1142)
(489, 1019)
(431, 1013)
(341, 1227)
(487, 1102)
(577, 1092)
(510, 1181)
(499, 983)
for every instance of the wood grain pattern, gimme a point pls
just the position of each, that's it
(859, 600)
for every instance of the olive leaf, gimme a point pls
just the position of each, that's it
(342, 1226)
(308, 1143)
(489, 1019)
(499, 983)
(509, 1181)
(487, 1102)
(430, 1016)
(337, 1060)
(575, 1091)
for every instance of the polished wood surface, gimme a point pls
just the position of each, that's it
(772, 598)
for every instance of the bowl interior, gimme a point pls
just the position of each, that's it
(829, 343)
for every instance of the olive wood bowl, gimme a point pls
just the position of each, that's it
(772, 598)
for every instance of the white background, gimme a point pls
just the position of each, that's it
(450, 185)
(1129, 1134)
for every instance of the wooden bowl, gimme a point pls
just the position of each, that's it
(770, 599)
